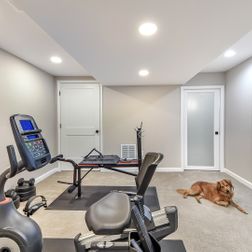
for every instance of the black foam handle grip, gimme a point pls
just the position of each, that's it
(71, 188)
(13, 161)
(55, 159)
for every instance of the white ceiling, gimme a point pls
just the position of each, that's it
(243, 49)
(102, 35)
(21, 36)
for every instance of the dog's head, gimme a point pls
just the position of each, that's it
(225, 186)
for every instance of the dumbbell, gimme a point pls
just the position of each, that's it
(25, 189)
(21, 182)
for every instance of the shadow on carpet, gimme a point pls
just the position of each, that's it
(91, 194)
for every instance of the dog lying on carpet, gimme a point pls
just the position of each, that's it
(220, 193)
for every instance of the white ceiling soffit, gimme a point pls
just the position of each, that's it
(103, 35)
(243, 49)
(21, 36)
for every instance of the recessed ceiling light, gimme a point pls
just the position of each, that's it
(229, 53)
(147, 29)
(56, 59)
(143, 72)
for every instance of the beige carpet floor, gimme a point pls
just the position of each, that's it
(203, 227)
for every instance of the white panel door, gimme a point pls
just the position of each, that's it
(79, 119)
(202, 129)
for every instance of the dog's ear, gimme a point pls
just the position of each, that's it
(230, 183)
(218, 186)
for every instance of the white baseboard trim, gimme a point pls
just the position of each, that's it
(46, 175)
(170, 169)
(66, 169)
(159, 169)
(237, 177)
(132, 169)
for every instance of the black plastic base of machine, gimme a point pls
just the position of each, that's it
(23, 231)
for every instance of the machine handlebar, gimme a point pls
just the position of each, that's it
(62, 159)
(13, 161)
(56, 158)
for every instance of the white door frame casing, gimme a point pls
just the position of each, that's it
(184, 124)
(216, 121)
(59, 82)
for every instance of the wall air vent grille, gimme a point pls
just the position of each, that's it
(128, 151)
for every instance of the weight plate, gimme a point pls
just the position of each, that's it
(24, 188)
(27, 195)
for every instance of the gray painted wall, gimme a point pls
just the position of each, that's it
(28, 90)
(124, 107)
(207, 79)
(238, 129)
(157, 106)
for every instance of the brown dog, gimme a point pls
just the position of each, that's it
(221, 193)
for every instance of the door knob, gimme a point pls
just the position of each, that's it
(97, 131)
(216, 132)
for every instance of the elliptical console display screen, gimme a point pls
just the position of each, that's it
(30, 142)
(26, 125)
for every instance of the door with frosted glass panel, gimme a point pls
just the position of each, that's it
(202, 131)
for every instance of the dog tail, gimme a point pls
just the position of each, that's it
(238, 207)
(181, 191)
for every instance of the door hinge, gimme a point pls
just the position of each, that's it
(59, 93)
(60, 125)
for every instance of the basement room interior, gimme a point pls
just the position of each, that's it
(125, 126)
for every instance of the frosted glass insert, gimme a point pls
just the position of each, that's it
(200, 129)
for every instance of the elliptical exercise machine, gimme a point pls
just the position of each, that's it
(18, 232)
(115, 225)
